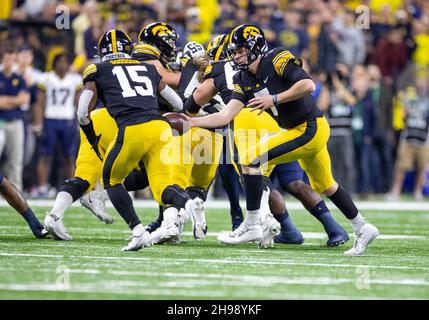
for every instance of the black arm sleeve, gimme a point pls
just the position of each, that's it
(191, 106)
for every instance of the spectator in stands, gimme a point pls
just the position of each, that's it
(93, 33)
(350, 40)
(194, 26)
(391, 55)
(227, 19)
(293, 36)
(414, 142)
(327, 51)
(383, 138)
(337, 102)
(35, 10)
(263, 19)
(363, 130)
(13, 94)
(55, 114)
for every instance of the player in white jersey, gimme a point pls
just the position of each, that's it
(55, 116)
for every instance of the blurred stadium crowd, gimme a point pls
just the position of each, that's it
(371, 82)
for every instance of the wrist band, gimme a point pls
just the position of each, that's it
(275, 101)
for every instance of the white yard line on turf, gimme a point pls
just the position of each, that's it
(291, 204)
(178, 289)
(263, 261)
(307, 235)
(237, 280)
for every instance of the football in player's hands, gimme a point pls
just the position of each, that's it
(178, 121)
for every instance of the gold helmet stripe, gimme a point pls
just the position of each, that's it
(218, 53)
(114, 44)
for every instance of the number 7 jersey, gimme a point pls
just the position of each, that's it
(128, 89)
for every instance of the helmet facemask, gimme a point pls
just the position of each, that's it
(255, 47)
(167, 47)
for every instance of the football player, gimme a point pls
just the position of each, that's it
(55, 118)
(219, 78)
(14, 197)
(143, 134)
(274, 81)
(157, 46)
(227, 172)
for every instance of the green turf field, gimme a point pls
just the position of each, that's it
(396, 266)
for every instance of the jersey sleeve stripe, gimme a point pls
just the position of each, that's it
(278, 56)
(88, 73)
(281, 63)
(89, 70)
(146, 49)
(282, 68)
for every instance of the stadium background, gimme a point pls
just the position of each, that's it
(378, 66)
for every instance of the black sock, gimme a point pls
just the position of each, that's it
(254, 186)
(285, 221)
(123, 203)
(196, 192)
(176, 196)
(322, 213)
(32, 220)
(344, 203)
(161, 213)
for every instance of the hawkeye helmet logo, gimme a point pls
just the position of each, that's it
(250, 31)
(161, 31)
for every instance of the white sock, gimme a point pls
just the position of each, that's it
(188, 205)
(62, 203)
(357, 222)
(253, 217)
(138, 229)
(170, 214)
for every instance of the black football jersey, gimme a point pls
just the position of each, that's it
(128, 89)
(222, 73)
(188, 79)
(277, 72)
(147, 52)
(189, 82)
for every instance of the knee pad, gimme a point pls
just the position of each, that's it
(195, 192)
(75, 186)
(136, 180)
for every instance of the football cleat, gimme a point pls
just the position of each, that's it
(270, 228)
(198, 218)
(140, 238)
(337, 238)
(95, 201)
(169, 229)
(244, 233)
(363, 237)
(40, 233)
(289, 237)
(55, 226)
